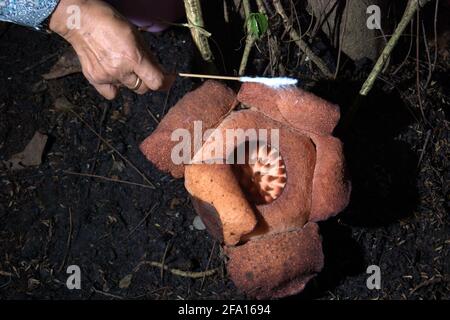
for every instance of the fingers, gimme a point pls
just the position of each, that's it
(100, 81)
(108, 77)
(131, 81)
(152, 75)
(109, 91)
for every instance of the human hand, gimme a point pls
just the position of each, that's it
(110, 50)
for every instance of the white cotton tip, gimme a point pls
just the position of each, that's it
(271, 82)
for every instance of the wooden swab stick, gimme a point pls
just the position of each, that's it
(271, 82)
(208, 76)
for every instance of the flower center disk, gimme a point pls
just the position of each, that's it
(263, 176)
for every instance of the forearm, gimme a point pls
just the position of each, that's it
(27, 12)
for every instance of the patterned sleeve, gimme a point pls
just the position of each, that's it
(26, 12)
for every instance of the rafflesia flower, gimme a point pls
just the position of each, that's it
(264, 208)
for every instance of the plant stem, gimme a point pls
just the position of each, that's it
(196, 24)
(410, 10)
(249, 40)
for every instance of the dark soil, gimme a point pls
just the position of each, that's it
(50, 218)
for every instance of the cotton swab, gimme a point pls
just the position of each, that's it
(271, 82)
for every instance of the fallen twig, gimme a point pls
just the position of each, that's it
(6, 284)
(69, 241)
(152, 115)
(422, 153)
(107, 294)
(429, 282)
(163, 260)
(107, 179)
(40, 62)
(142, 221)
(209, 262)
(166, 101)
(99, 142)
(65, 105)
(5, 274)
(177, 272)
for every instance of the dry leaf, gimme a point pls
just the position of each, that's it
(126, 281)
(33, 284)
(31, 155)
(63, 105)
(118, 166)
(67, 64)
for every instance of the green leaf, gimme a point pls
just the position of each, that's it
(257, 24)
